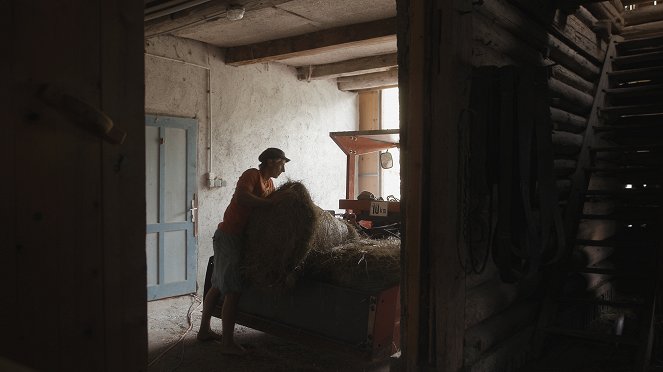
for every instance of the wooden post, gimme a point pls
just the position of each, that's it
(434, 61)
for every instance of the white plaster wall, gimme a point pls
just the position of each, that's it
(252, 107)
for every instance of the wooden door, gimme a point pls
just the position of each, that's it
(170, 165)
(72, 259)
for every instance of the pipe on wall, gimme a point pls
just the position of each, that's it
(209, 102)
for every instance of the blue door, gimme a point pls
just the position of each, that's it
(171, 206)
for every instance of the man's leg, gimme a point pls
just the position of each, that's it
(228, 317)
(209, 302)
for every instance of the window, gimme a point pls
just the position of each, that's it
(390, 179)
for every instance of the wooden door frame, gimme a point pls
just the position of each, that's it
(191, 127)
(434, 50)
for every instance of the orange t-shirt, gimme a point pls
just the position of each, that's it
(236, 216)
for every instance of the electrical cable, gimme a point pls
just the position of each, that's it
(190, 326)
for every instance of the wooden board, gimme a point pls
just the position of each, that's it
(75, 277)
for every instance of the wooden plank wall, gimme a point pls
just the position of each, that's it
(499, 320)
(73, 268)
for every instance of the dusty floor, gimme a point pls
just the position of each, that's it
(167, 322)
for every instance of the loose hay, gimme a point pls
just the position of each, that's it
(296, 234)
(331, 232)
(278, 236)
(366, 264)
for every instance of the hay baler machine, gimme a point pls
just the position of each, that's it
(377, 218)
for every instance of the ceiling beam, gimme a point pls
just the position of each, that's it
(377, 80)
(201, 14)
(304, 45)
(358, 66)
(636, 2)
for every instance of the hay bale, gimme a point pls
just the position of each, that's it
(365, 264)
(279, 236)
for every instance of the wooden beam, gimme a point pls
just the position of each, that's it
(375, 80)
(358, 66)
(303, 45)
(643, 30)
(492, 35)
(200, 14)
(566, 121)
(414, 299)
(636, 2)
(570, 30)
(569, 77)
(586, 17)
(579, 102)
(638, 17)
(446, 89)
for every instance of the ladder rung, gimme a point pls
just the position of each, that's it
(600, 302)
(625, 193)
(642, 42)
(636, 127)
(636, 74)
(594, 336)
(635, 91)
(618, 217)
(612, 272)
(646, 109)
(627, 169)
(638, 148)
(614, 243)
(637, 58)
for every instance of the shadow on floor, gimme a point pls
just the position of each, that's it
(168, 321)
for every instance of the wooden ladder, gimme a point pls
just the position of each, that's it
(619, 181)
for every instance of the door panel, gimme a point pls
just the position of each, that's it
(170, 188)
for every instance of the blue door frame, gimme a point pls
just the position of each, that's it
(163, 288)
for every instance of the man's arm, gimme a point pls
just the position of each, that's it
(248, 199)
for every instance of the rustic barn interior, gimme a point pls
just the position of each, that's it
(529, 205)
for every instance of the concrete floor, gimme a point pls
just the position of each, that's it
(167, 322)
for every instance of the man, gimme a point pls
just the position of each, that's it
(252, 190)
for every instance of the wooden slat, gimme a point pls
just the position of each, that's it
(122, 174)
(200, 14)
(359, 34)
(623, 76)
(594, 336)
(55, 265)
(414, 300)
(643, 30)
(375, 80)
(639, 43)
(448, 76)
(632, 59)
(638, 17)
(358, 66)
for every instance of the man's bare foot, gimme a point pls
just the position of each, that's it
(232, 349)
(208, 336)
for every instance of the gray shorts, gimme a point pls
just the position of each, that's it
(227, 254)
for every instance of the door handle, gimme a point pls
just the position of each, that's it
(82, 113)
(194, 213)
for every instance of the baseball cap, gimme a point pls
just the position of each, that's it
(272, 153)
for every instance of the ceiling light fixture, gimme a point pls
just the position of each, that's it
(235, 12)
